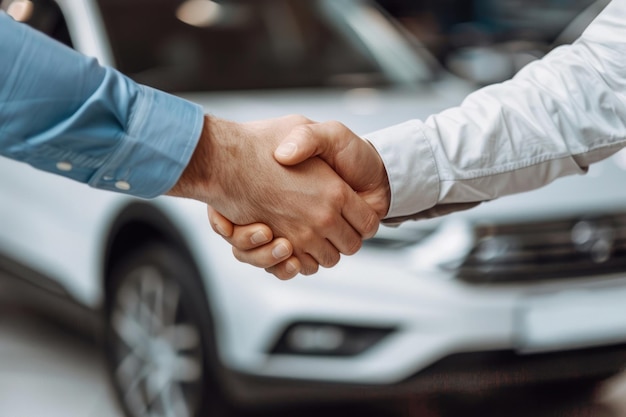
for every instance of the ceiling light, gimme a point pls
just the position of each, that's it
(199, 13)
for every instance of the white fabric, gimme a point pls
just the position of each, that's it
(554, 118)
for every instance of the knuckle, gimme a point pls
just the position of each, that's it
(279, 273)
(302, 132)
(297, 119)
(254, 258)
(238, 254)
(309, 268)
(337, 192)
(305, 236)
(239, 241)
(353, 246)
(371, 226)
(327, 219)
(335, 125)
(330, 259)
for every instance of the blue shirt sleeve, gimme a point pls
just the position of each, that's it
(63, 113)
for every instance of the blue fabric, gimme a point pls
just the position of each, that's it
(59, 108)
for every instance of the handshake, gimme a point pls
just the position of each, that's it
(289, 194)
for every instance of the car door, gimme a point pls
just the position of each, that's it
(49, 225)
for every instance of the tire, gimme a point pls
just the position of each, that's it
(159, 340)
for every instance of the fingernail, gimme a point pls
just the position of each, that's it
(286, 149)
(280, 251)
(219, 229)
(290, 267)
(258, 237)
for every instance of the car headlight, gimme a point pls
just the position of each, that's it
(328, 339)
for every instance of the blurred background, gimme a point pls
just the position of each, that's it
(368, 64)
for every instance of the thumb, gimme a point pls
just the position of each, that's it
(304, 142)
(349, 155)
(353, 158)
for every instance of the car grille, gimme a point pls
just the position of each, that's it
(571, 248)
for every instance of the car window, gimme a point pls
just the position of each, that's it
(486, 40)
(43, 15)
(200, 45)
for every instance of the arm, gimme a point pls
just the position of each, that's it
(63, 113)
(309, 204)
(353, 158)
(555, 118)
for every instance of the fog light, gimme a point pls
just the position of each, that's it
(305, 338)
(326, 339)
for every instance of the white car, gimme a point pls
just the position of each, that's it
(523, 289)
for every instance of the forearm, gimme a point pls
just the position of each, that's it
(557, 116)
(64, 113)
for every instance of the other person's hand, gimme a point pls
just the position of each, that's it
(233, 170)
(255, 244)
(353, 158)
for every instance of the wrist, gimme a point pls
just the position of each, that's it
(381, 184)
(195, 181)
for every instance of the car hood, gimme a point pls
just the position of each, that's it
(362, 109)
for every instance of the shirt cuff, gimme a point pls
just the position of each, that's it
(162, 134)
(410, 165)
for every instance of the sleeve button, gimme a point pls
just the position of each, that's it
(122, 185)
(64, 166)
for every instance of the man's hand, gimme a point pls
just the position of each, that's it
(234, 171)
(354, 159)
(255, 244)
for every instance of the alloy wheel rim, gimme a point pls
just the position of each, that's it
(157, 351)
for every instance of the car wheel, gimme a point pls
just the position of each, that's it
(159, 343)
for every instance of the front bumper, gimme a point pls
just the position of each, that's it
(434, 317)
(457, 373)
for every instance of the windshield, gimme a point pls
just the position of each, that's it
(200, 45)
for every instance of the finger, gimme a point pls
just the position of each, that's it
(220, 224)
(361, 216)
(266, 256)
(287, 269)
(250, 236)
(349, 221)
(319, 252)
(242, 237)
(302, 143)
(354, 159)
(309, 265)
(343, 237)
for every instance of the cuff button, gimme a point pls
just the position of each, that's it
(122, 185)
(64, 166)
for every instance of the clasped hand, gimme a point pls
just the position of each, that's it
(328, 193)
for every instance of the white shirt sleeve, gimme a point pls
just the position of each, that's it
(554, 118)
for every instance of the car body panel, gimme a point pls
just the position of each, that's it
(62, 229)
